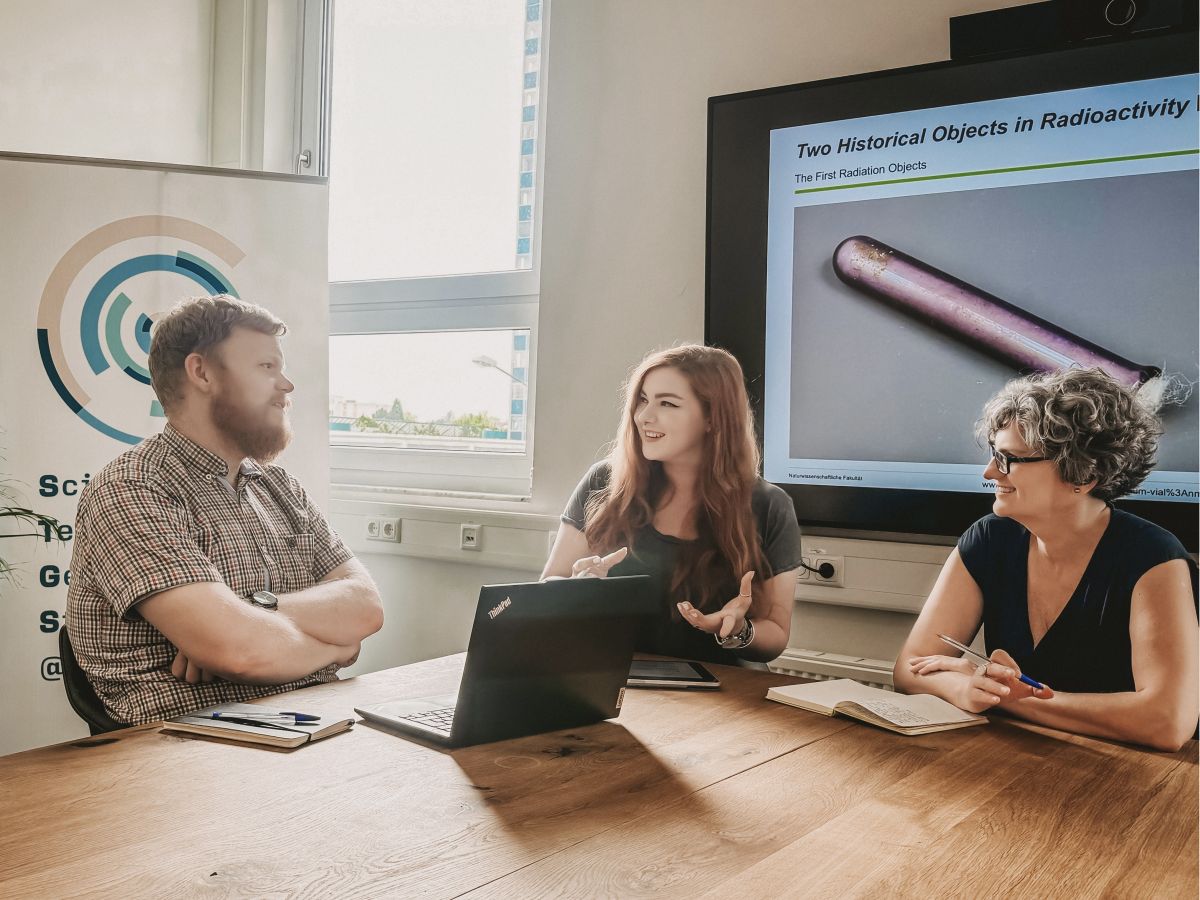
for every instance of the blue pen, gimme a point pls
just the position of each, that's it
(288, 718)
(1025, 679)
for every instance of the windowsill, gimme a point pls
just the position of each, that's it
(431, 477)
(427, 497)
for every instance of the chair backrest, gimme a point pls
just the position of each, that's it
(80, 693)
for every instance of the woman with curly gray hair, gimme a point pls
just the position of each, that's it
(1070, 590)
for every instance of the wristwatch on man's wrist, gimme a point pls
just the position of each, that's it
(740, 640)
(264, 600)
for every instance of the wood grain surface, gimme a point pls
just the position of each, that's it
(685, 794)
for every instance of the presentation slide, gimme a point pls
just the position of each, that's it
(918, 261)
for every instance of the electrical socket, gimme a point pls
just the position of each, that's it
(838, 563)
(383, 528)
(470, 536)
(804, 573)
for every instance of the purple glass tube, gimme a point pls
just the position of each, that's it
(995, 326)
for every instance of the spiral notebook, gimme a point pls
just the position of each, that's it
(902, 713)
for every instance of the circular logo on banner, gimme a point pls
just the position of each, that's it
(99, 306)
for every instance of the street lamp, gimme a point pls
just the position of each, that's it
(487, 362)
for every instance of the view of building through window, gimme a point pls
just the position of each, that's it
(451, 390)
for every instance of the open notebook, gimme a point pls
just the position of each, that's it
(904, 713)
(201, 722)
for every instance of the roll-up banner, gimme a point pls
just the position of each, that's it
(92, 253)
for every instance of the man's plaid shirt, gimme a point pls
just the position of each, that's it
(160, 516)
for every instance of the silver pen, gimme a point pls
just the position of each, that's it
(983, 659)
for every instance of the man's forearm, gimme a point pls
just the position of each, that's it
(275, 653)
(304, 657)
(220, 633)
(340, 612)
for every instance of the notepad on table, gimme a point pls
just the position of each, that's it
(903, 713)
(274, 735)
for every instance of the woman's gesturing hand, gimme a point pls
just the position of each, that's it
(985, 686)
(729, 619)
(597, 566)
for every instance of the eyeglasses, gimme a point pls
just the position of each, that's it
(1004, 460)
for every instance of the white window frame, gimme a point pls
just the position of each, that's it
(372, 307)
(311, 135)
(468, 302)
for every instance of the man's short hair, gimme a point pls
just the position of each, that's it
(197, 326)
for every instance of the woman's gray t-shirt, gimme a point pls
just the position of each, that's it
(655, 554)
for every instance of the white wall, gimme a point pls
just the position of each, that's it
(429, 603)
(120, 80)
(189, 82)
(623, 256)
(428, 594)
(623, 220)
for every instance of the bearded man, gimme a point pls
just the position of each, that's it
(202, 574)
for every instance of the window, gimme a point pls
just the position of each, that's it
(446, 390)
(192, 84)
(433, 166)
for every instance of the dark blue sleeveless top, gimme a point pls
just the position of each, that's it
(1086, 649)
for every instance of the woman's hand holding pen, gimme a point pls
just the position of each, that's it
(729, 619)
(985, 686)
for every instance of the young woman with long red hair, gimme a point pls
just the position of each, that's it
(680, 498)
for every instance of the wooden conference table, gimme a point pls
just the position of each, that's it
(685, 795)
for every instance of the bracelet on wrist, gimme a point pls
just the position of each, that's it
(738, 641)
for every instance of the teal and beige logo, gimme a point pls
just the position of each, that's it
(99, 305)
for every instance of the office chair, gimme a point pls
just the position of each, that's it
(80, 693)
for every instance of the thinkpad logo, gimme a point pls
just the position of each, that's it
(500, 607)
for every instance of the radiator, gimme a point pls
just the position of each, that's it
(821, 666)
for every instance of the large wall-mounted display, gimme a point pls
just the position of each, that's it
(886, 251)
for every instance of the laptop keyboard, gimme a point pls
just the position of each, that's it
(437, 719)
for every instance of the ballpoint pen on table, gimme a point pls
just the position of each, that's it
(983, 659)
(282, 718)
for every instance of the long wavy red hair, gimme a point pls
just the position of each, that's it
(727, 545)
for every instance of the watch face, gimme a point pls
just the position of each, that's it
(738, 639)
(265, 599)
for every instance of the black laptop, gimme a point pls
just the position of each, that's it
(543, 656)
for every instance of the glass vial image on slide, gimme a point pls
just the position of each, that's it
(997, 327)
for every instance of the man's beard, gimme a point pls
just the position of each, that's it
(252, 435)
